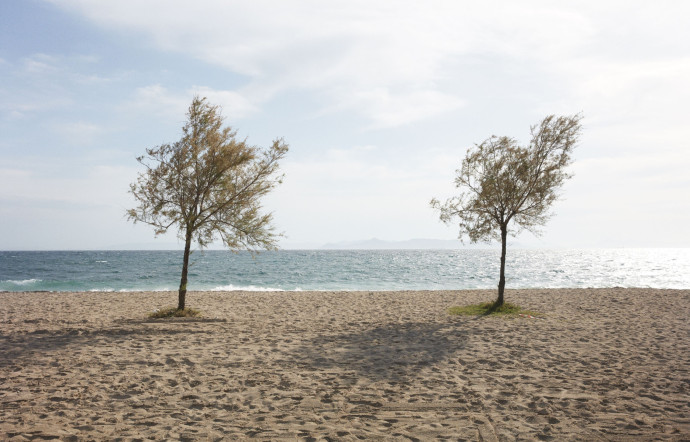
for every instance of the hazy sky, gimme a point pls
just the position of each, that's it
(378, 100)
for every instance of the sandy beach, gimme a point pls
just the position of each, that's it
(603, 364)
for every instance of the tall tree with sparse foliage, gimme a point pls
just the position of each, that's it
(501, 182)
(207, 186)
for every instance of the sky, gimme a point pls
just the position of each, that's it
(378, 100)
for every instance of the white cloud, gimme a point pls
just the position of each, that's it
(638, 182)
(370, 51)
(636, 199)
(350, 194)
(393, 63)
(40, 64)
(396, 63)
(20, 107)
(156, 99)
(629, 90)
(36, 186)
(79, 133)
(234, 105)
(46, 82)
(385, 108)
(82, 210)
(172, 105)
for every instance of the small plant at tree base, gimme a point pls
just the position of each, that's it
(503, 182)
(173, 312)
(490, 308)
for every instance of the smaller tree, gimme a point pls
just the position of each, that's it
(208, 185)
(503, 182)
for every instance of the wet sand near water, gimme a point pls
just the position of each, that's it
(603, 364)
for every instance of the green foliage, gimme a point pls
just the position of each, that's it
(173, 312)
(501, 181)
(209, 184)
(490, 308)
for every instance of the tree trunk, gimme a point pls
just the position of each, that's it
(185, 266)
(502, 278)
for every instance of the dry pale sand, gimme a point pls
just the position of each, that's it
(609, 364)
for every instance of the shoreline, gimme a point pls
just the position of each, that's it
(338, 291)
(608, 363)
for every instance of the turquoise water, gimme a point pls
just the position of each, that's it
(343, 269)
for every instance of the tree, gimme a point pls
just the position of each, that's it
(208, 185)
(503, 182)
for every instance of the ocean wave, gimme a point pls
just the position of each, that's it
(22, 282)
(344, 270)
(248, 288)
(164, 289)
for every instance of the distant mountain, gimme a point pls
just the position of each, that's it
(414, 244)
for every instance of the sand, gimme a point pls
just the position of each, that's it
(604, 364)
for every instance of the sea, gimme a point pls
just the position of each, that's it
(294, 270)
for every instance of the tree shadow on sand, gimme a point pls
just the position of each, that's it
(14, 347)
(392, 352)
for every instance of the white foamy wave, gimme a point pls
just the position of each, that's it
(164, 289)
(248, 288)
(22, 282)
(128, 290)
